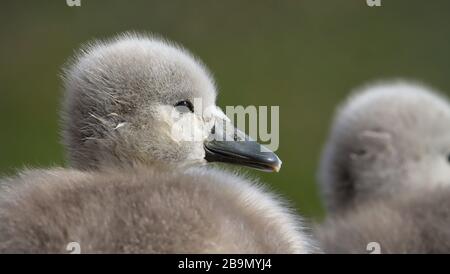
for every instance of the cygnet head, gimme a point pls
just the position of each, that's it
(387, 138)
(139, 99)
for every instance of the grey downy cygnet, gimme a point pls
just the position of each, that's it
(139, 123)
(385, 172)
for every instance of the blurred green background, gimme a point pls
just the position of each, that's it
(304, 56)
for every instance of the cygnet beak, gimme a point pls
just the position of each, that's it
(230, 145)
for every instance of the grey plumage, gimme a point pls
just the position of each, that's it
(135, 184)
(385, 138)
(119, 91)
(144, 210)
(385, 172)
(411, 222)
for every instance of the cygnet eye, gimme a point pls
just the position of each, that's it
(184, 106)
(448, 158)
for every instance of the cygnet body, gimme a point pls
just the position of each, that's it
(137, 183)
(386, 138)
(385, 172)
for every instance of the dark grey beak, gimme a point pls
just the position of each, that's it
(241, 150)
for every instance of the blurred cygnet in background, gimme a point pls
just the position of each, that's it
(385, 172)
